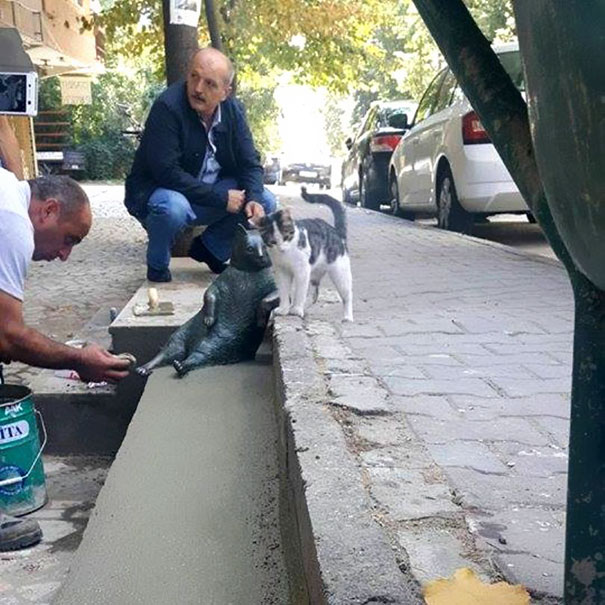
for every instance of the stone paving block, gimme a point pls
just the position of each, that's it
(494, 371)
(433, 359)
(401, 370)
(532, 461)
(399, 327)
(513, 348)
(487, 358)
(435, 553)
(440, 348)
(549, 371)
(435, 406)
(553, 404)
(467, 454)
(497, 492)
(408, 454)
(523, 529)
(406, 495)
(375, 351)
(527, 387)
(562, 357)
(378, 430)
(468, 386)
(502, 325)
(360, 393)
(435, 430)
(557, 427)
(540, 574)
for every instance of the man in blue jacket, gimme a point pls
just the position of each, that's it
(196, 164)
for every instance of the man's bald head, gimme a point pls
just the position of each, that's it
(209, 77)
(211, 54)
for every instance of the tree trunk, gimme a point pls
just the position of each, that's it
(585, 536)
(213, 29)
(573, 173)
(562, 44)
(180, 41)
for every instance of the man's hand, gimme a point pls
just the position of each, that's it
(235, 200)
(254, 212)
(98, 365)
(9, 149)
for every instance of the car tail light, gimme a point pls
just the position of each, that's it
(472, 130)
(384, 142)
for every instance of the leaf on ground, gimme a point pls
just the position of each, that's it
(464, 588)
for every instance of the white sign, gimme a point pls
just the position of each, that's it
(75, 90)
(14, 432)
(185, 12)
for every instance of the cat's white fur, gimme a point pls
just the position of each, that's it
(294, 274)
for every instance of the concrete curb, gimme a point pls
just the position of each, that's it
(346, 556)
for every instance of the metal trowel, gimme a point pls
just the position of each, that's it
(154, 305)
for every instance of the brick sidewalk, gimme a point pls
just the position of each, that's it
(452, 390)
(102, 272)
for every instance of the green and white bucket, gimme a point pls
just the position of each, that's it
(22, 485)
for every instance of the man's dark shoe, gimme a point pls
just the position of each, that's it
(158, 275)
(18, 533)
(200, 253)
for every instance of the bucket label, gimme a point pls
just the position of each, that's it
(14, 431)
(13, 410)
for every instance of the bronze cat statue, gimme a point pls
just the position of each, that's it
(231, 323)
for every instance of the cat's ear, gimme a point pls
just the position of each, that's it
(242, 229)
(286, 213)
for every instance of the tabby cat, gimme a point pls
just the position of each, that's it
(302, 251)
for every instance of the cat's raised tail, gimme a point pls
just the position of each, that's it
(338, 210)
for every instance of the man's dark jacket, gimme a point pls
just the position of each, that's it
(173, 148)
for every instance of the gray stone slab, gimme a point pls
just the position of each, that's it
(467, 454)
(528, 387)
(553, 404)
(557, 427)
(533, 461)
(468, 386)
(495, 492)
(435, 406)
(435, 553)
(499, 429)
(540, 574)
(407, 494)
(520, 529)
(360, 393)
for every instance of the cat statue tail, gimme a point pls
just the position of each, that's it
(338, 210)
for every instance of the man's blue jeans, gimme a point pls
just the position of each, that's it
(170, 212)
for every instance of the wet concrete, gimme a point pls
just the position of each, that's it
(189, 512)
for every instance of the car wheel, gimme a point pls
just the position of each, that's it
(531, 218)
(366, 197)
(346, 196)
(394, 202)
(450, 214)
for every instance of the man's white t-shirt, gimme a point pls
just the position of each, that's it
(16, 233)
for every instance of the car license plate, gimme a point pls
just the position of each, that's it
(310, 174)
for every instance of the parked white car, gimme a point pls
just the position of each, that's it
(445, 165)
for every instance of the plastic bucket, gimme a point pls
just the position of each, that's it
(22, 485)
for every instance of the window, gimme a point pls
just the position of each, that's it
(446, 92)
(427, 103)
(511, 61)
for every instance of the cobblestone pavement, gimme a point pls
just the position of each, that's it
(452, 389)
(102, 272)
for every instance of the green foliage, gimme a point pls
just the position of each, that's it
(119, 102)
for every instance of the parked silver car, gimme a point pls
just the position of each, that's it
(446, 165)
